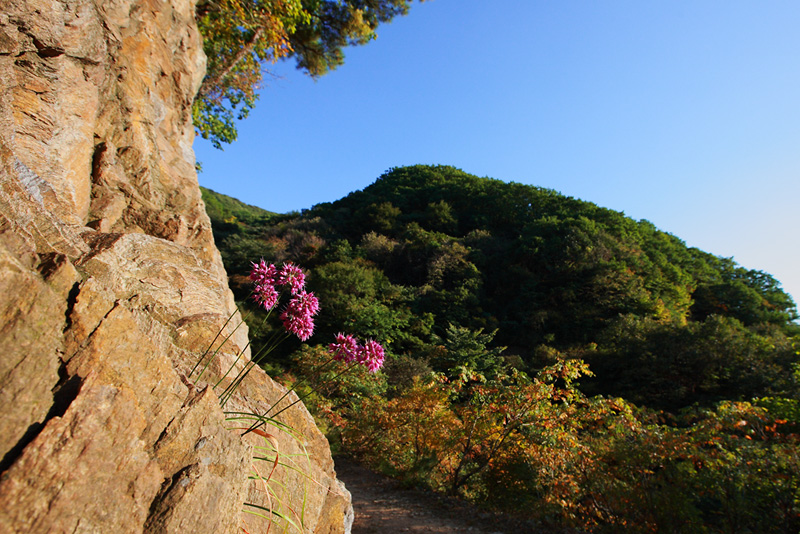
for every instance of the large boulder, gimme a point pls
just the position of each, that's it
(112, 290)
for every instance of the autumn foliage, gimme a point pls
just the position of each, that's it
(540, 450)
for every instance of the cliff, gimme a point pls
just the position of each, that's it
(112, 289)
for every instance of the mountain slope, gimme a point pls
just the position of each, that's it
(426, 247)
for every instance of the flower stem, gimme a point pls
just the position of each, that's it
(266, 415)
(219, 332)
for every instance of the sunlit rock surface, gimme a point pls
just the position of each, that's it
(112, 288)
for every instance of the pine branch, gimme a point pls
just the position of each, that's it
(209, 83)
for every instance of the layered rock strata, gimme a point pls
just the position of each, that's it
(112, 289)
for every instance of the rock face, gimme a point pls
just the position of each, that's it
(112, 290)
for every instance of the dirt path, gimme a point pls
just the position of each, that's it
(383, 506)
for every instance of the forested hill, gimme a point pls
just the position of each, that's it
(430, 255)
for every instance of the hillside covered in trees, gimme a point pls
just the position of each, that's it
(544, 354)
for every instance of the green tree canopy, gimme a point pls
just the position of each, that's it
(551, 277)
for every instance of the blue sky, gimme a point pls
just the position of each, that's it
(684, 113)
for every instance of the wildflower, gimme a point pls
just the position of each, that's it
(298, 317)
(292, 276)
(299, 325)
(266, 295)
(371, 356)
(345, 348)
(307, 303)
(263, 274)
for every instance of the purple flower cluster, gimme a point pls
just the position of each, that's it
(298, 317)
(263, 274)
(266, 296)
(347, 349)
(292, 276)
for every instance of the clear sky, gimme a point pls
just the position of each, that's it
(684, 113)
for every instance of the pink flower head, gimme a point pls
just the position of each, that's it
(371, 356)
(263, 274)
(265, 295)
(300, 325)
(298, 318)
(307, 303)
(291, 275)
(345, 348)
